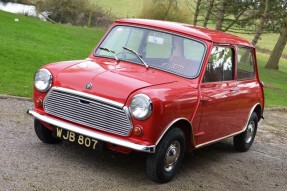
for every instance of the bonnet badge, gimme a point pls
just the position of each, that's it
(89, 86)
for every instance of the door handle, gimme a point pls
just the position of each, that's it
(234, 89)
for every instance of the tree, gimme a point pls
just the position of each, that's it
(220, 16)
(279, 23)
(262, 21)
(208, 12)
(195, 8)
(229, 15)
(196, 12)
(273, 62)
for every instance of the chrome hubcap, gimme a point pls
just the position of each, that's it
(250, 132)
(171, 156)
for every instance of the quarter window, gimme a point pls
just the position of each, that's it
(245, 64)
(220, 65)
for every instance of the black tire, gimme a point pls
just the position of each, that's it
(244, 140)
(45, 134)
(172, 143)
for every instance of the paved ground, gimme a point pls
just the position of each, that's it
(28, 164)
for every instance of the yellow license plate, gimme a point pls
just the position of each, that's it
(76, 138)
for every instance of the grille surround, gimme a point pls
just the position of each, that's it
(88, 110)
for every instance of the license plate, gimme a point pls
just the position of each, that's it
(75, 138)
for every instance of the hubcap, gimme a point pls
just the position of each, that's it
(250, 132)
(171, 156)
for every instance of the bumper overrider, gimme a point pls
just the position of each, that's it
(92, 134)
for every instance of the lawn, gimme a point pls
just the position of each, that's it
(28, 44)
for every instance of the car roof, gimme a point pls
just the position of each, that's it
(189, 30)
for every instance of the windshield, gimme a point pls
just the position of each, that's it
(164, 51)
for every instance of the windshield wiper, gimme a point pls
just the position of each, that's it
(137, 54)
(111, 51)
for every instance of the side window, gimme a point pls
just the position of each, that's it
(245, 64)
(220, 65)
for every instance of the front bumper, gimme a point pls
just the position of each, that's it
(92, 134)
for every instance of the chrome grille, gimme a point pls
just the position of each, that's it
(87, 111)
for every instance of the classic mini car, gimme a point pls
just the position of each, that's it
(157, 87)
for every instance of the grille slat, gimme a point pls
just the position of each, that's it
(91, 109)
(88, 112)
(91, 118)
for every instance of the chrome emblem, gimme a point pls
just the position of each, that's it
(89, 86)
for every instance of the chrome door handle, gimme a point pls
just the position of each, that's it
(234, 89)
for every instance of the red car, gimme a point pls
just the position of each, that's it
(151, 86)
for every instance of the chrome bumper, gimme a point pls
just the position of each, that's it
(92, 134)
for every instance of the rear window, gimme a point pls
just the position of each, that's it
(245, 64)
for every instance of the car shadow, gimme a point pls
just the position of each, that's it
(132, 166)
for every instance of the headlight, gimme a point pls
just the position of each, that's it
(43, 80)
(141, 107)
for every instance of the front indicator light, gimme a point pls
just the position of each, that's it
(38, 102)
(137, 131)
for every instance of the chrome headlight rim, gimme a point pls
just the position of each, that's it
(49, 81)
(149, 106)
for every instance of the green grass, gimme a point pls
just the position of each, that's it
(122, 8)
(28, 44)
(275, 82)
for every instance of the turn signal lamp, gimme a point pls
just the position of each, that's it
(137, 131)
(38, 102)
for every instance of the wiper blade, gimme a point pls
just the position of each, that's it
(137, 54)
(111, 51)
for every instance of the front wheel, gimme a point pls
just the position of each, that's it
(44, 134)
(163, 165)
(243, 141)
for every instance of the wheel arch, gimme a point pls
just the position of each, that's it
(258, 111)
(185, 126)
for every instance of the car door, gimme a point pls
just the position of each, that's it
(249, 90)
(218, 96)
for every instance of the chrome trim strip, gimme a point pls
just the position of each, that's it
(233, 134)
(94, 97)
(128, 114)
(169, 126)
(92, 134)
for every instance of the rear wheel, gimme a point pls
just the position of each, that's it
(45, 134)
(163, 165)
(243, 141)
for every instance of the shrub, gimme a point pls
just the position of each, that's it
(75, 12)
(165, 10)
(26, 2)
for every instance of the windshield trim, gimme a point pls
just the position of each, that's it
(157, 30)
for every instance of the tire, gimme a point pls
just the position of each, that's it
(45, 134)
(243, 141)
(162, 166)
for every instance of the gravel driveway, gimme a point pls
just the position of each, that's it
(28, 164)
